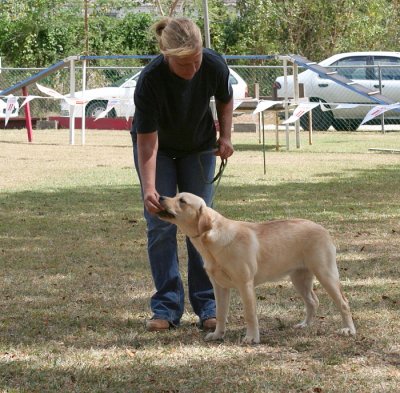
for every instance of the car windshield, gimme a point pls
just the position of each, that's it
(232, 80)
(125, 79)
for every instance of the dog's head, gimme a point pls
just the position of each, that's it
(188, 211)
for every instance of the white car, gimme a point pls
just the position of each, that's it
(362, 67)
(124, 90)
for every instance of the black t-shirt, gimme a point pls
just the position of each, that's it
(180, 109)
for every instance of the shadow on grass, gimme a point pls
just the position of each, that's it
(140, 375)
(254, 147)
(75, 272)
(237, 369)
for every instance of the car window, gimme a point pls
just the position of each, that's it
(232, 80)
(131, 83)
(353, 67)
(121, 81)
(388, 66)
(127, 81)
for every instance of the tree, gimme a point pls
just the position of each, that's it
(315, 29)
(171, 5)
(35, 33)
(41, 32)
(134, 33)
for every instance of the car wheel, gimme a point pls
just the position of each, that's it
(321, 120)
(94, 108)
(346, 124)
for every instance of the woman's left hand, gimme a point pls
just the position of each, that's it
(225, 148)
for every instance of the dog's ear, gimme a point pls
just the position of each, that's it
(205, 220)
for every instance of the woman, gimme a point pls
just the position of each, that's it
(174, 138)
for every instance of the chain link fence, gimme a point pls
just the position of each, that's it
(40, 107)
(114, 72)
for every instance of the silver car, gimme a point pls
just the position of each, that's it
(375, 70)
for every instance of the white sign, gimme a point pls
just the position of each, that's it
(49, 92)
(110, 104)
(28, 99)
(325, 108)
(264, 105)
(55, 94)
(301, 110)
(378, 110)
(10, 106)
(347, 106)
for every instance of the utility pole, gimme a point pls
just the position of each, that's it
(86, 29)
(206, 24)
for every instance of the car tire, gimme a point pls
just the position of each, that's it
(346, 124)
(321, 120)
(94, 108)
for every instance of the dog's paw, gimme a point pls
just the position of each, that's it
(214, 336)
(301, 325)
(346, 332)
(250, 340)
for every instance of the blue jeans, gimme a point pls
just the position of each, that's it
(183, 175)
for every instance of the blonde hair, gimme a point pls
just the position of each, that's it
(178, 37)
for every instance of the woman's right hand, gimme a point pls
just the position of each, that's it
(151, 201)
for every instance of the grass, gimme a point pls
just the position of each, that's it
(75, 282)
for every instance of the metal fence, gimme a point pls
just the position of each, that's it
(264, 74)
(112, 75)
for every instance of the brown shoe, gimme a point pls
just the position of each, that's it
(209, 324)
(157, 325)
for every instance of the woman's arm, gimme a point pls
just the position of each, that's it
(147, 147)
(224, 114)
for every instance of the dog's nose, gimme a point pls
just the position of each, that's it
(162, 198)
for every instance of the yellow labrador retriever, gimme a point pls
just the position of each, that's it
(243, 255)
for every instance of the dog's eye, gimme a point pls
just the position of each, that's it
(181, 200)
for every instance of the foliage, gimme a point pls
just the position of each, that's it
(315, 29)
(41, 32)
(219, 17)
(134, 31)
(34, 33)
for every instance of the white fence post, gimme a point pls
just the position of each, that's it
(72, 107)
(286, 98)
(296, 101)
(83, 131)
